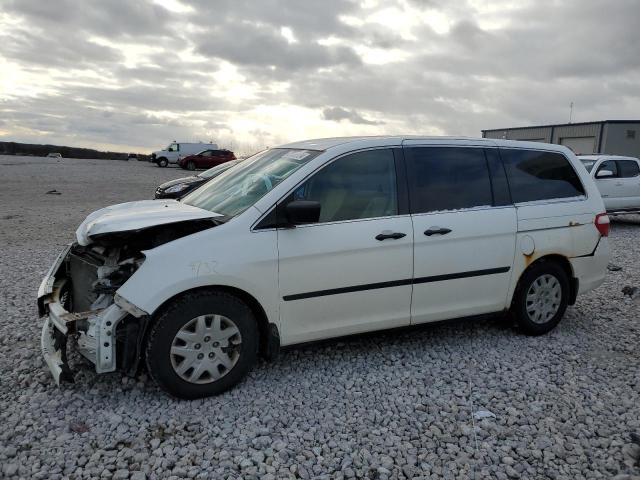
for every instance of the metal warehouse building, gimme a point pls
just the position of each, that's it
(615, 137)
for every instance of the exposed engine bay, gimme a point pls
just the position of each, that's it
(80, 296)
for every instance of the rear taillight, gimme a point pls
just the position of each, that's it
(602, 224)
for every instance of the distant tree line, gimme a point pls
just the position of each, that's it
(14, 148)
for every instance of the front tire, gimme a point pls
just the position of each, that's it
(163, 162)
(541, 298)
(191, 165)
(203, 344)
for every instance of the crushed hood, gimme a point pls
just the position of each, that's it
(138, 215)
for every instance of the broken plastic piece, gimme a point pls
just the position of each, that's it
(480, 414)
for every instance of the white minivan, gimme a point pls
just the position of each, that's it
(176, 150)
(617, 179)
(319, 239)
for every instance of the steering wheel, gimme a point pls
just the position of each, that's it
(251, 180)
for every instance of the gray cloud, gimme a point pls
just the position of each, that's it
(256, 45)
(338, 113)
(110, 19)
(66, 50)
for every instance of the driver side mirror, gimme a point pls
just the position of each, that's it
(604, 174)
(300, 212)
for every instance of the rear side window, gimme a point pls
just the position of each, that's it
(447, 178)
(537, 175)
(628, 168)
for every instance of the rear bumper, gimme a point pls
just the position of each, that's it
(591, 270)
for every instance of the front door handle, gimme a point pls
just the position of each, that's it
(437, 231)
(389, 234)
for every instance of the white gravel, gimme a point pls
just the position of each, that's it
(387, 405)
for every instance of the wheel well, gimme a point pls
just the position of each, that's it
(564, 263)
(254, 305)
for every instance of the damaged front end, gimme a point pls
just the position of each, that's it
(79, 296)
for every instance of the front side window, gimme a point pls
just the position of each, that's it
(360, 185)
(234, 192)
(609, 165)
(447, 178)
(537, 175)
(173, 147)
(628, 168)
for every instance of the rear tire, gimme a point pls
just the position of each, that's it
(163, 162)
(225, 318)
(541, 298)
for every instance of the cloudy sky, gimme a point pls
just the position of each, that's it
(136, 74)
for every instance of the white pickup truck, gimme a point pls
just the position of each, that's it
(176, 150)
(617, 179)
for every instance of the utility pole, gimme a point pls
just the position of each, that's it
(570, 112)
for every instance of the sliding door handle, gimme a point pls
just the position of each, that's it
(389, 234)
(437, 231)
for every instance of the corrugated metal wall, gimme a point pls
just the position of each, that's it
(534, 133)
(587, 130)
(617, 142)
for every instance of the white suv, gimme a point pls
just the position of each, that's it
(320, 239)
(617, 179)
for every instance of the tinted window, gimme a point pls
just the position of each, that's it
(628, 168)
(608, 165)
(361, 185)
(536, 175)
(447, 178)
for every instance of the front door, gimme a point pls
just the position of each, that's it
(464, 231)
(350, 272)
(629, 176)
(610, 187)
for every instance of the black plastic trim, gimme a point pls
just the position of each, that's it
(395, 283)
(402, 181)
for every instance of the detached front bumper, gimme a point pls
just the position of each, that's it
(53, 341)
(93, 330)
(54, 351)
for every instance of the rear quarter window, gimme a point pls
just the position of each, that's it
(537, 175)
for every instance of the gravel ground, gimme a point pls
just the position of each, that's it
(387, 405)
